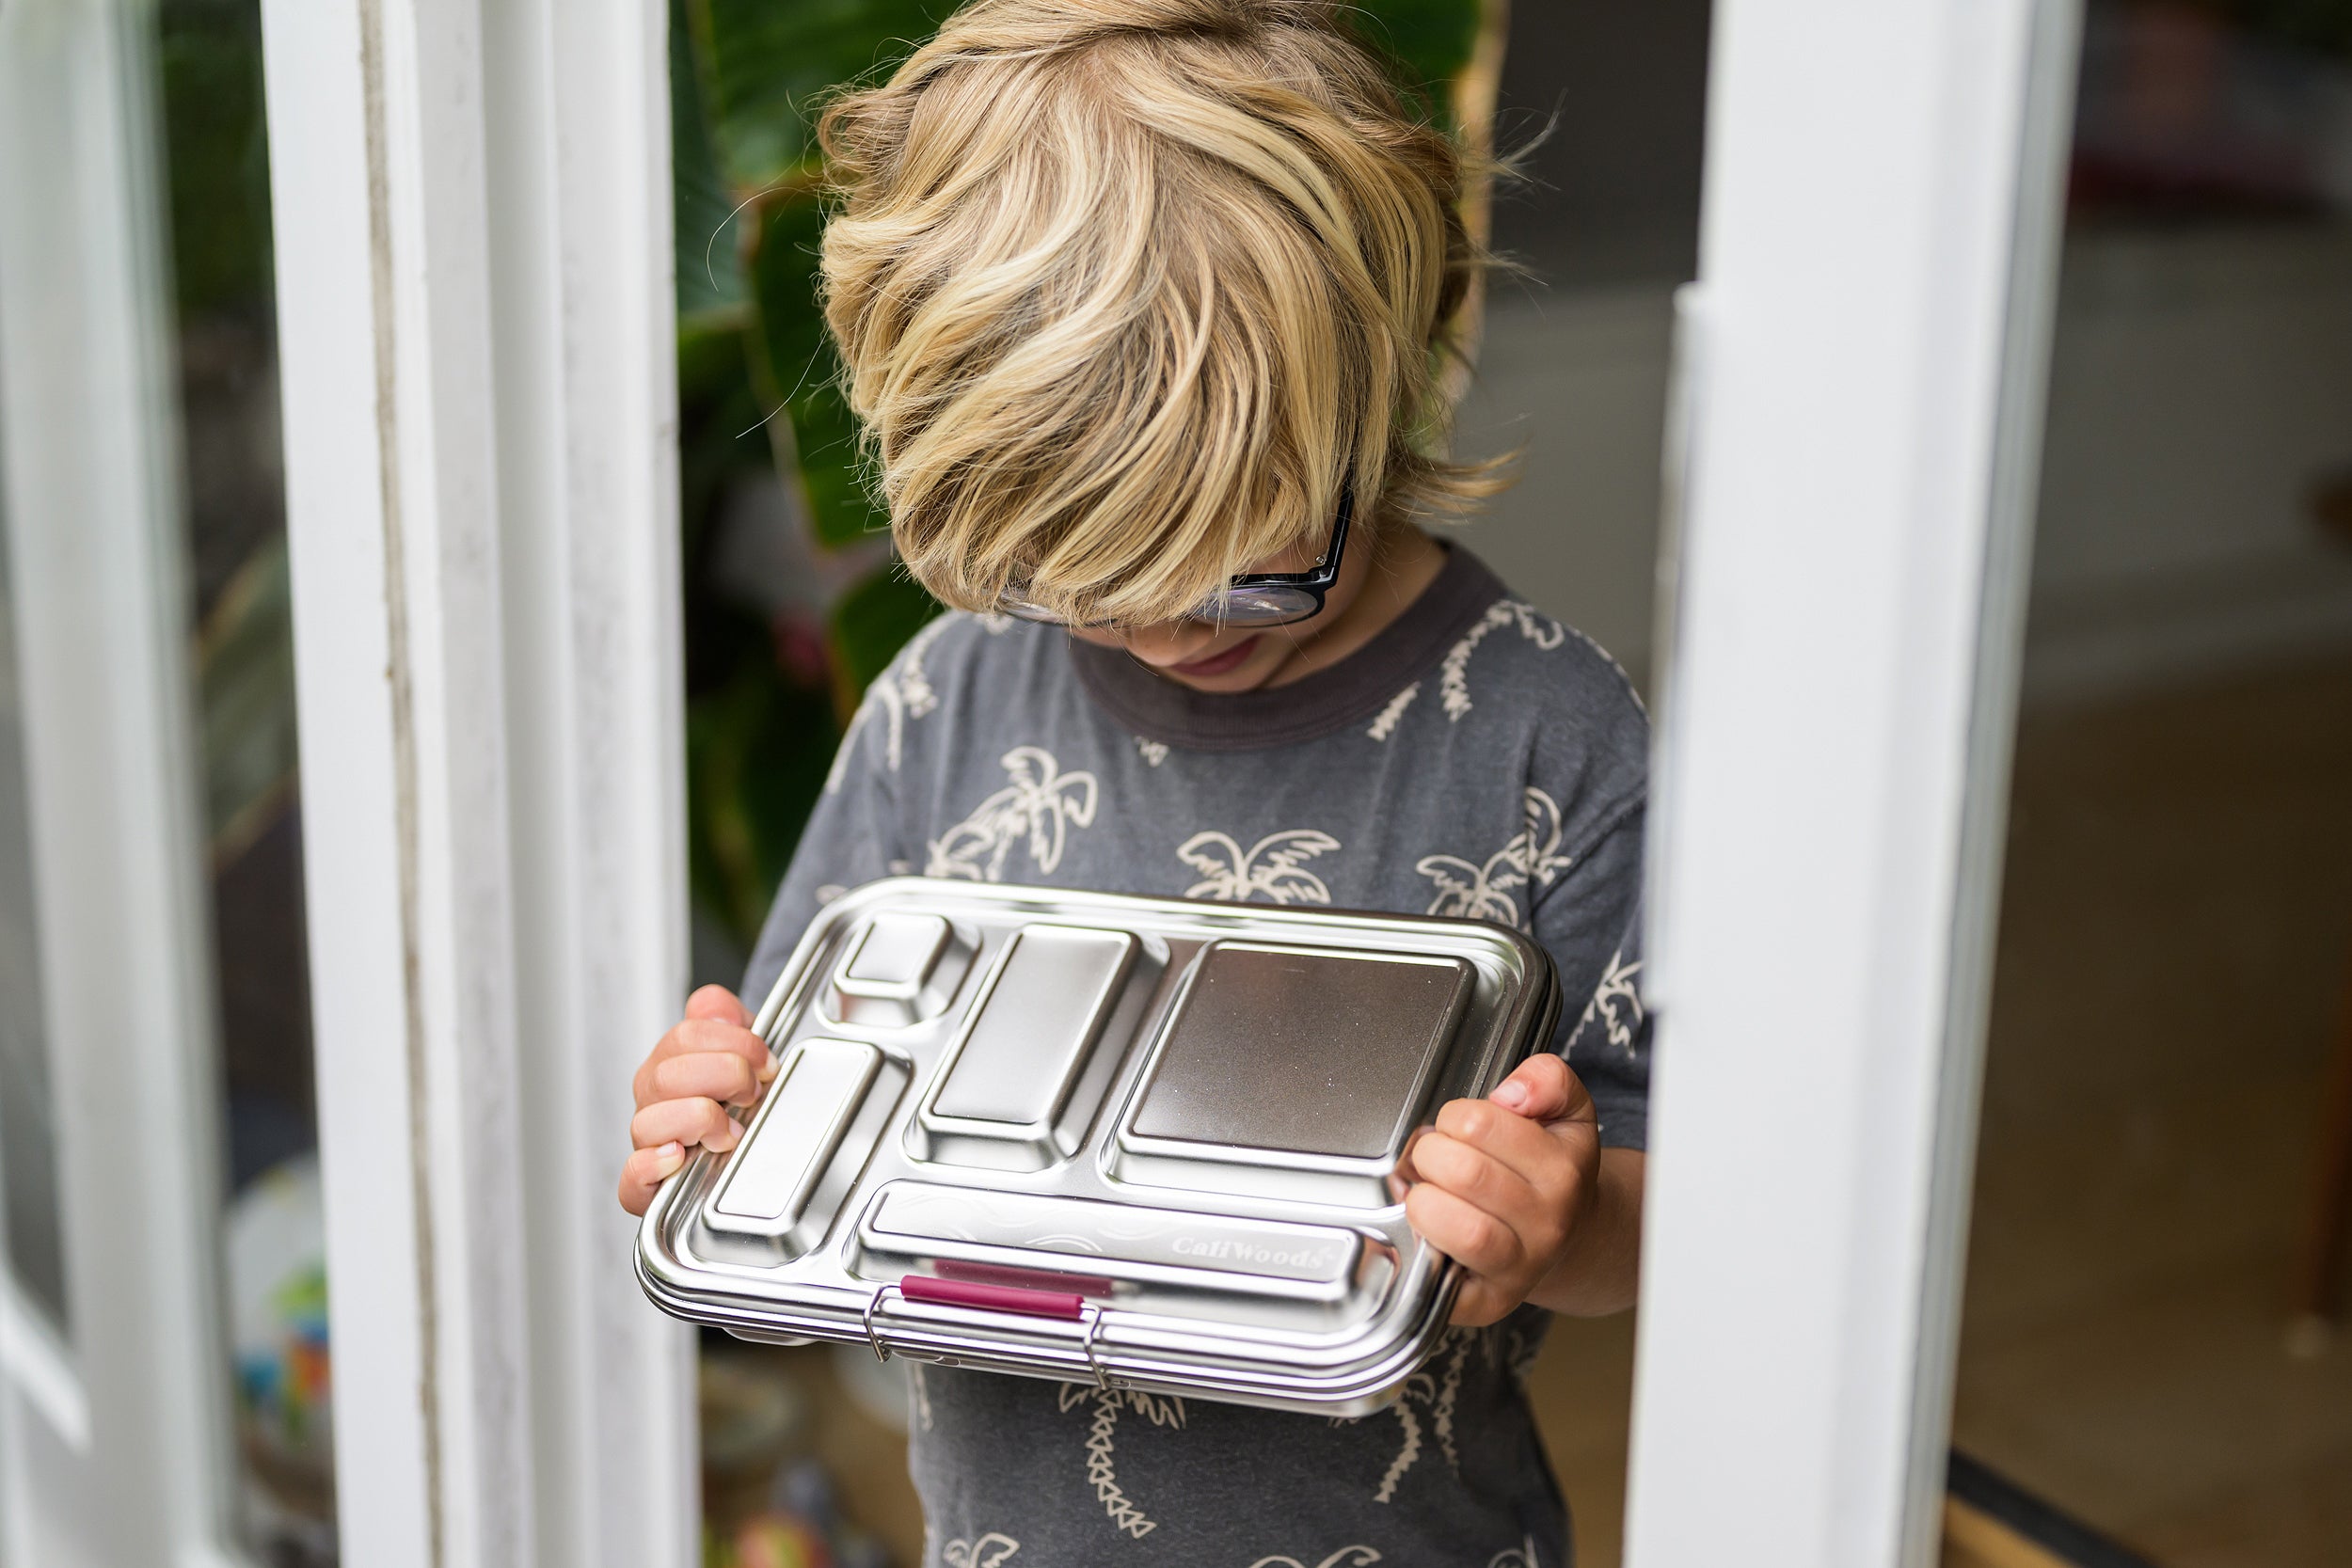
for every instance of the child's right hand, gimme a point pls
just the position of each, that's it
(709, 1061)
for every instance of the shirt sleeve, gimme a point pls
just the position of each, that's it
(855, 835)
(1590, 921)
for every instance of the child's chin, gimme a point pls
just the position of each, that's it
(1239, 668)
(1247, 676)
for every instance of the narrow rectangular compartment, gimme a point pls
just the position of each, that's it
(818, 1090)
(1018, 1088)
(812, 1132)
(1169, 1261)
(1293, 1071)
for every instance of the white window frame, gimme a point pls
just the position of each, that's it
(1863, 366)
(477, 332)
(133, 1403)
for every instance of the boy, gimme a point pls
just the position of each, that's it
(1139, 301)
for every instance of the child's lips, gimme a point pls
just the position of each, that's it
(1216, 664)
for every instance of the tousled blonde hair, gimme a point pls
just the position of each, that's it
(1128, 293)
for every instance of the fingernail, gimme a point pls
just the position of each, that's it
(666, 1162)
(769, 1068)
(1512, 1093)
(729, 1135)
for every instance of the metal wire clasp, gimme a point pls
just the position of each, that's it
(1089, 1313)
(882, 1351)
(1094, 1315)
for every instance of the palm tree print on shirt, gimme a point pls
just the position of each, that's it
(1346, 1557)
(1037, 808)
(1102, 1426)
(1272, 869)
(990, 1550)
(1617, 1003)
(1454, 670)
(1487, 891)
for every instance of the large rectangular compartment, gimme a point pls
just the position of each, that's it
(1146, 1142)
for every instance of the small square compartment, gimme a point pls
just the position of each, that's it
(1293, 1071)
(900, 970)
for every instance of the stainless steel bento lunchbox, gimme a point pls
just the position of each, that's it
(1142, 1142)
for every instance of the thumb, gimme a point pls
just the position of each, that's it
(717, 1001)
(1541, 1088)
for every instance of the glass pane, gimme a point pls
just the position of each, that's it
(215, 160)
(2154, 1335)
(1572, 373)
(28, 1147)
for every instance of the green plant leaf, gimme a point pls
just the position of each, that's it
(873, 622)
(707, 235)
(210, 61)
(1430, 39)
(756, 755)
(800, 371)
(769, 61)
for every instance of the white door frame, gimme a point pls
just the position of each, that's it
(477, 328)
(135, 1406)
(1864, 362)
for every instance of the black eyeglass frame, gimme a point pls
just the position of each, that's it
(1310, 587)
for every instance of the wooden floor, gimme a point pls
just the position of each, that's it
(2178, 910)
(2176, 921)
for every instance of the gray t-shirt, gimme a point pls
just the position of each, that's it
(1477, 758)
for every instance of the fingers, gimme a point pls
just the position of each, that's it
(1499, 1188)
(705, 1075)
(685, 1121)
(698, 1037)
(1542, 1088)
(1543, 1152)
(1480, 1179)
(645, 1170)
(1501, 1264)
(708, 1061)
(1468, 1234)
(719, 1004)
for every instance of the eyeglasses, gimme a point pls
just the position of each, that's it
(1252, 599)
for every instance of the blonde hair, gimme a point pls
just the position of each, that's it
(1129, 293)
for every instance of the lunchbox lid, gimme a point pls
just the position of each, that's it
(1142, 1142)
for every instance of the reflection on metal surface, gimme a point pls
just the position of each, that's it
(896, 954)
(1021, 1086)
(899, 971)
(1045, 1011)
(1301, 1050)
(1251, 1252)
(778, 1191)
(1111, 1236)
(816, 1093)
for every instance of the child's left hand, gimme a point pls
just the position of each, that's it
(1501, 1184)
